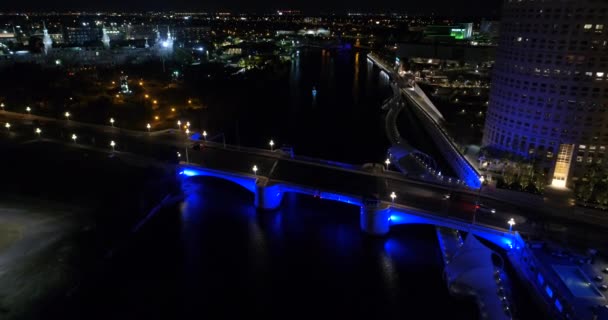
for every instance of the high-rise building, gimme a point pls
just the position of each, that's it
(549, 96)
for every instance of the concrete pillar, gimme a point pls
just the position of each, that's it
(375, 219)
(268, 196)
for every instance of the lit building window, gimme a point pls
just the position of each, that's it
(588, 26)
(579, 159)
(582, 147)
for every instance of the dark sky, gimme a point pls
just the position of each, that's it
(440, 7)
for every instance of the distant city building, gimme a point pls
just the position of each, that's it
(549, 96)
(82, 35)
(460, 31)
(464, 53)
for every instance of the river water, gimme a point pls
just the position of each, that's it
(214, 256)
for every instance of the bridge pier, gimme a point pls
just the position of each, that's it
(268, 196)
(375, 219)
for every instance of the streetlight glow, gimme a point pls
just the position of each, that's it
(112, 121)
(511, 223)
(8, 126)
(393, 196)
(28, 109)
(205, 135)
(67, 115)
(38, 132)
(255, 169)
(188, 124)
(149, 127)
(387, 162)
(179, 123)
(74, 137)
(113, 145)
(271, 145)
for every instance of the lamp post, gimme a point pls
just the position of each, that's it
(481, 179)
(387, 162)
(271, 145)
(67, 116)
(393, 196)
(255, 169)
(187, 138)
(2, 106)
(148, 126)
(8, 126)
(113, 145)
(179, 124)
(29, 110)
(74, 137)
(38, 132)
(188, 124)
(511, 223)
(112, 121)
(205, 135)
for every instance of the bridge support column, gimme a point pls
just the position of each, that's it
(375, 219)
(267, 196)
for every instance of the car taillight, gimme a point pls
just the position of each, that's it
(476, 206)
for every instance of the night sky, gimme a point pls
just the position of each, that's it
(439, 7)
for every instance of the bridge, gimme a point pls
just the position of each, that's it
(432, 120)
(367, 187)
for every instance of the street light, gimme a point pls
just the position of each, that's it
(112, 121)
(179, 124)
(188, 124)
(271, 145)
(387, 162)
(38, 132)
(8, 126)
(29, 110)
(74, 137)
(511, 223)
(255, 169)
(113, 145)
(205, 135)
(393, 196)
(148, 126)
(2, 106)
(67, 115)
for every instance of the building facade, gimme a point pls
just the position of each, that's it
(549, 95)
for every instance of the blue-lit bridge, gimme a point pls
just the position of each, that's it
(368, 187)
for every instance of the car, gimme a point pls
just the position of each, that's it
(482, 208)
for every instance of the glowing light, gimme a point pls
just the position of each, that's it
(74, 137)
(189, 101)
(156, 117)
(28, 109)
(147, 96)
(113, 145)
(255, 169)
(511, 223)
(271, 143)
(8, 126)
(205, 135)
(117, 96)
(67, 115)
(155, 101)
(141, 83)
(112, 121)
(149, 127)
(393, 196)
(187, 131)
(188, 124)
(38, 131)
(172, 109)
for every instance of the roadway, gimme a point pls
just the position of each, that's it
(164, 146)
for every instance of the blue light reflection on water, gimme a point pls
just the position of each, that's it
(270, 262)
